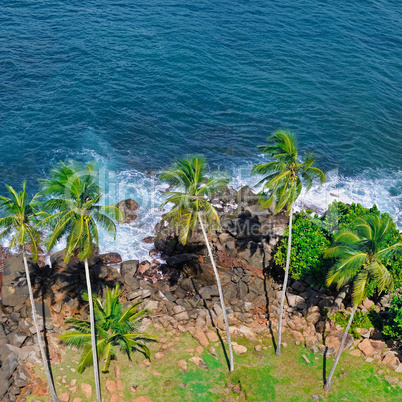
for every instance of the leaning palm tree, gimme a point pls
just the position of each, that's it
(22, 212)
(115, 329)
(76, 212)
(282, 182)
(361, 253)
(191, 206)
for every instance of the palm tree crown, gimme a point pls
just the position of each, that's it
(361, 253)
(76, 209)
(115, 328)
(191, 204)
(282, 178)
(193, 190)
(22, 212)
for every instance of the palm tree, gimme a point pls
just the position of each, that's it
(282, 184)
(76, 214)
(22, 212)
(361, 253)
(191, 206)
(115, 328)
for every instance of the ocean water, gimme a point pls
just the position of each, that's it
(133, 85)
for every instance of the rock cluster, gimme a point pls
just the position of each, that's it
(13, 357)
(182, 295)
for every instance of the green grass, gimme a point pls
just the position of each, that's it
(262, 376)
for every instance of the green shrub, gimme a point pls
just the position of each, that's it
(309, 241)
(360, 320)
(340, 216)
(393, 325)
(312, 235)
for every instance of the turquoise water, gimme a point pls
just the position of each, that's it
(135, 84)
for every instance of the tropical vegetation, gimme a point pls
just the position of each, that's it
(191, 206)
(360, 254)
(313, 234)
(115, 329)
(75, 214)
(392, 327)
(282, 182)
(351, 248)
(21, 213)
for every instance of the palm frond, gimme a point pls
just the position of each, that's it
(383, 277)
(75, 338)
(348, 236)
(346, 268)
(389, 252)
(359, 287)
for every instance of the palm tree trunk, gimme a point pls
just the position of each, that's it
(327, 385)
(93, 333)
(218, 281)
(42, 350)
(285, 283)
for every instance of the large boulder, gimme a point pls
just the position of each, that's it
(333, 342)
(129, 208)
(166, 242)
(129, 267)
(110, 258)
(226, 195)
(14, 286)
(245, 196)
(9, 363)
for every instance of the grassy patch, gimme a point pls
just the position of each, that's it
(261, 375)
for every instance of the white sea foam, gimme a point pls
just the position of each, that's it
(368, 188)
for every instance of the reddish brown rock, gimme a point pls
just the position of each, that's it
(212, 336)
(64, 397)
(366, 348)
(333, 341)
(158, 355)
(378, 346)
(200, 337)
(355, 352)
(110, 258)
(391, 361)
(144, 267)
(199, 362)
(86, 389)
(111, 386)
(298, 336)
(129, 208)
(311, 342)
(368, 304)
(239, 349)
(117, 371)
(313, 318)
(141, 399)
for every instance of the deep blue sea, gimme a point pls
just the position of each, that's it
(135, 84)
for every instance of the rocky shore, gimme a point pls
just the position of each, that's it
(181, 294)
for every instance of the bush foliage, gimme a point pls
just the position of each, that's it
(360, 320)
(393, 325)
(311, 235)
(309, 241)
